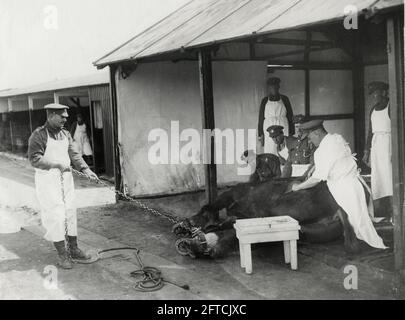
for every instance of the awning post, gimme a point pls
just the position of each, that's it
(208, 121)
(396, 86)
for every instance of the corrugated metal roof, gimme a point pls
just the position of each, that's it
(201, 22)
(77, 82)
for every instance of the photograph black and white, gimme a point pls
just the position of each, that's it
(202, 150)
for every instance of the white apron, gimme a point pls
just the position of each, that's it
(275, 113)
(340, 172)
(381, 165)
(81, 140)
(49, 193)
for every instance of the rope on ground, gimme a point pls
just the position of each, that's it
(147, 279)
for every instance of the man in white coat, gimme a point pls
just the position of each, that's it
(51, 153)
(335, 164)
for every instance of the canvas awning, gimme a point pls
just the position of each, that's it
(200, 23)
(98, 78)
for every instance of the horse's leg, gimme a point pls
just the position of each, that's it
(321, 232)
(352, 244)
(226, 242)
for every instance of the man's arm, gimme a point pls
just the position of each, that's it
(75, 157)
(290, 115)
(36, 151)
(261, 118)
(310, 183)
(366, 156)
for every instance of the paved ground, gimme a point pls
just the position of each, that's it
(25, 259)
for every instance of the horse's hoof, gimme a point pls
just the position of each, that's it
(182, 229)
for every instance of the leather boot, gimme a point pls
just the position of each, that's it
(75, 252)
(64, 260)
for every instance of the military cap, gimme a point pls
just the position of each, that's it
(57, 106)
(275, 131)
(273, 81)
(377, 85)
(299, 118)
(310, 126)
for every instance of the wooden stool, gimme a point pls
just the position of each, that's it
(283, 228)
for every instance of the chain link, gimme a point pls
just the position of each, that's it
(173, 219)
(66, 220)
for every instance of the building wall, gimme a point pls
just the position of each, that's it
(156, 94)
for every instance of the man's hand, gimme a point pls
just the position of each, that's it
(295, 187)
(366, 158)
(261, 139)
(90, 174)
(62, 167)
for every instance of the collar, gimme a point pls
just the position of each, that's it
(275, 98)
(51, 129)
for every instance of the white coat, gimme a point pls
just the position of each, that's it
(335, 164)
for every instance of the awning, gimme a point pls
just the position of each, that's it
(98, 78)
(203, 22)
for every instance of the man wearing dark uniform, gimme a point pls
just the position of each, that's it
(51, 152)
(295, 154)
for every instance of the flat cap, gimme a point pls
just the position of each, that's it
(57, 106)
(273, 81)
(275, 131)
(310, 126)
(377, 85)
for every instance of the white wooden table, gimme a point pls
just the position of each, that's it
(257, 230)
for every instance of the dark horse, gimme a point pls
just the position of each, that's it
(320, 217)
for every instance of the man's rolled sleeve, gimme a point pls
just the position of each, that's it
(36, 150)
(75, 157)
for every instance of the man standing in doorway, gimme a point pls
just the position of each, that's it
(335, 164)
(378, 149)
(275, 109)
(81, 133)
(51, 153)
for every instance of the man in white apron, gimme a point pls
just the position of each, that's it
(51, 152)
(295, 154)
(275, 109)
(335, 164)
(378, 148)
(80, 133)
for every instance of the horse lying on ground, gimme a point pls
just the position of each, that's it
(320, 217)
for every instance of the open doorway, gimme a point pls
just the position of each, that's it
(98, 136)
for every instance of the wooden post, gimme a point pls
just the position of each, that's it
(208, 121)
(114, 108)
(396, 87)
(30, 109)
(55, 97)
(92, 129)
(307, 74)
(358, 97)
(10, 111)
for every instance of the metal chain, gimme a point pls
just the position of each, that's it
(66, 220)
(173, 219)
